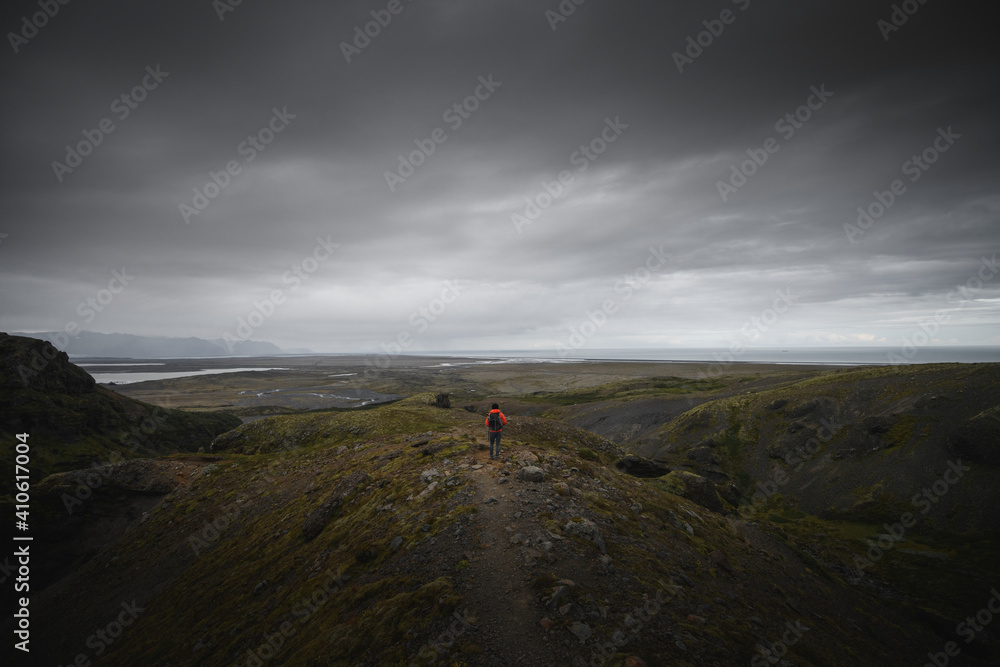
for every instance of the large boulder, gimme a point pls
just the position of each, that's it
(531, 474)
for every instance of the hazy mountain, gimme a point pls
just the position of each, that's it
(128, 346)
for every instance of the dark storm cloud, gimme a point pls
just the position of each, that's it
(551, 94)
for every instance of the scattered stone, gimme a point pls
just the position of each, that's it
(558, 593)
(428, 491)
(259, 587)
(686, 580)
(696, 619)
(502, 480)
(490, 500)
(581, 630)
(566, 609)
(720, 560)
(634, 661)
(396, 543)
(428, 475)
(477, 466)
(531, 474)
(588, 529)
(562, 488)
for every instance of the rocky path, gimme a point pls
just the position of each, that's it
(500, 598)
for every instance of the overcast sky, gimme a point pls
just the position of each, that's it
(649, 131)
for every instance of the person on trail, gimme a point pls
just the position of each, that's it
(495, 422)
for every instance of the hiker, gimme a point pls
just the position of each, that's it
(495, 422)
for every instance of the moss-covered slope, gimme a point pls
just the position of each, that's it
(72, 422)
(361, 538)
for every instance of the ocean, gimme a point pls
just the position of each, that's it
(825, 356)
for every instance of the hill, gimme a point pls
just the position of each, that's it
(385, 536)
(72, 422)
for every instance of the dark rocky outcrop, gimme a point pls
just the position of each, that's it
(695, 488)
(638, 466)
(73, 422)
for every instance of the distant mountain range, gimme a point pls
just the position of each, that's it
(128, 346)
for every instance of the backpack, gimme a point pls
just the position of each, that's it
(494, 421)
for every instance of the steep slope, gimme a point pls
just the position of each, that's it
(386, 537)
(72, 422)
(856, 444)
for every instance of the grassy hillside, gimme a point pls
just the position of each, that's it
(73, 423)
(384, 535)
(332, 548)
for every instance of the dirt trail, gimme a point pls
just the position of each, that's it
(507, 623)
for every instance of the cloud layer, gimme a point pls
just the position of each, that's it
(535, 158)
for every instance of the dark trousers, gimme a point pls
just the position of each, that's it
(495, 437)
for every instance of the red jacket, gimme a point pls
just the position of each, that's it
(502, 418)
